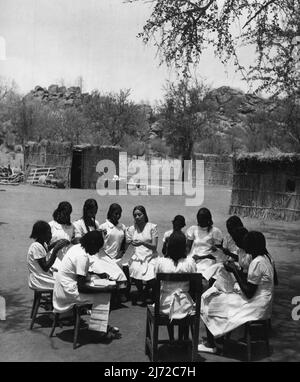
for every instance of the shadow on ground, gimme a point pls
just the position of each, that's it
(17, 310)
(85, 337)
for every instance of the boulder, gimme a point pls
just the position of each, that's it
(52, 89)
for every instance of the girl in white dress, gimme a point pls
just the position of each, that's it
(217, 273)
(114, 232)
(222, 312)
(174, 297)
(178, 223)
(114, 239)
(61, 228)
(201, 240)
(88, 221)
(39, 259)
(72, 284)
(232, 223)
(143, 237)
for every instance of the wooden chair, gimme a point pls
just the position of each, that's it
(78, 311)
(250, 336)
(155, 319)
(42, 297)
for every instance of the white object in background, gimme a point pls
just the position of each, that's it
(2, 309)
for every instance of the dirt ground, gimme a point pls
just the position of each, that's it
(21, 206)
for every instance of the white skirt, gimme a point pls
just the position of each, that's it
(142, 269)
(223, 312)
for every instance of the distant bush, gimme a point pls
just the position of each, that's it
(160, 147)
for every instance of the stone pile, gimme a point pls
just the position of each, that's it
(61, 95)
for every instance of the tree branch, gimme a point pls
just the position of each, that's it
(259, 11)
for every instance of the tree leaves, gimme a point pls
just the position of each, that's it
(182, 29)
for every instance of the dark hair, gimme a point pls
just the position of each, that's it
(255, 243)
(112, 208)
(176, 249)
(39, 229)
(238, 234)
(178, 222)
(233, 222)
(92, 242)
(143, 210)
(62, 214)
(89, 204)
(204, 218)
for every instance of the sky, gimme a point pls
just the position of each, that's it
(44, 42)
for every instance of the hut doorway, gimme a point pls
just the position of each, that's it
(76, 169)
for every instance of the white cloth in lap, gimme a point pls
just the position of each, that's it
(80, 228)
(229, 244)
(113, 238)
(142, 262)
(38, 278)
(244, 259)
(222, 312)
(175, 300)
(101, 263)
(202, 242)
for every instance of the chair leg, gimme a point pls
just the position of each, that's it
(195, 340)
(33, 305)
(170, 328)
(248, 337)
(77, 325)
(155, 343)
(266, 332)
(148, 339)
(54, 325)
(35, 310)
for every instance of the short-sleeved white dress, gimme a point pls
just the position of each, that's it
(65, 293)
(113, 238)
(37, 277)
(80, 228)
(60, 231)
(142, 263)
(222, 312)
(175, 300)
(202, 243)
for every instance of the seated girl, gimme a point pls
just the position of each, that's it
(72, 281)
(61, 228)
(223, 312)
(201, 240)
(39, 258)
(114, 239)
(224, 280)
(88, 221)
(232, 223)
(178, 223)
(175, 300)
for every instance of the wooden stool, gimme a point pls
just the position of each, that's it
(78, 311)
(264, 324)
(41, 298)
(249, 327)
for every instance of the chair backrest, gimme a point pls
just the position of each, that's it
(195, 290)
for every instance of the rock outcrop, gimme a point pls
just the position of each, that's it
(59, 95)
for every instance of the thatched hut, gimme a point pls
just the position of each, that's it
(75, 165)
(266, 186)
(217, 168)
